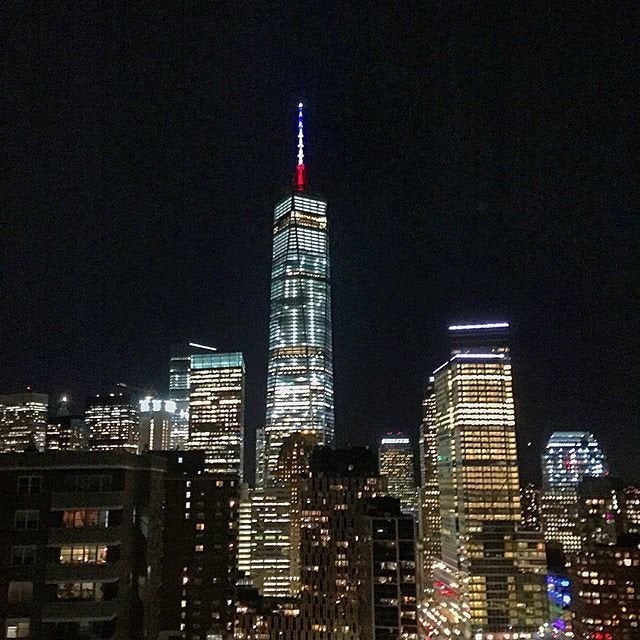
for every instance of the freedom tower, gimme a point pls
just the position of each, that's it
(300, 369)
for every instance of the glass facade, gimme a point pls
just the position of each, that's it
(395, 458)
(490, 580)
(568, 457)
(300, 368)
(216, 410)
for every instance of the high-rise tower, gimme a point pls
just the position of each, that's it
(489, 582)
(568, 457)
(300, 369)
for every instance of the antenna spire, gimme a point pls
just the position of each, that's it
(300, 176)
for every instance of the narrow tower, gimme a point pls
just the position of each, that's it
(300, 369)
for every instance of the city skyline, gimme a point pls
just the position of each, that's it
(132, 215)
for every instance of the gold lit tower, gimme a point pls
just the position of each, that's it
(490, 580)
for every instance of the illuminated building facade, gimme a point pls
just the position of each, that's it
(264, 553)
(395, 458)
(216, 410)
(632, 509)
(530, 501)
(179, 365)
(567, 458)
(64, 431)
(386, 547)
(490, 581)
(332, 579)
(112, 421)
(429, 492)
(600, 510)
(605, 582)
(300, 364)
(200, 549)
(156, 422)
(23, 421)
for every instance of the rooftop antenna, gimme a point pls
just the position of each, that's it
(300, 177)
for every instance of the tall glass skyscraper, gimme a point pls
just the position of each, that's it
(568, 457)
(490, 580)
(300, 369)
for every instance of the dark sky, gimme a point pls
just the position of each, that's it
(480, 161)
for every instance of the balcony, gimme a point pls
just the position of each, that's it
(85, 572)
(78, 610)
(85, 535)
(87, 500)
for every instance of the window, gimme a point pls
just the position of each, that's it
(80, 591)
(20, 591)
(86, 518)
(23, 554)
(83, 554)
(29, 485)
(27, 519)
(18, 628)
(94, 482)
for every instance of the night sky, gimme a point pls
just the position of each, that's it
(480, 161)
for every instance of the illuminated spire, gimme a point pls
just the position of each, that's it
(300, 177)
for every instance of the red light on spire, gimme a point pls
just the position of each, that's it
(300, 175)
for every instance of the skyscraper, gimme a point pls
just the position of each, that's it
(567, 458)
(112, 421)
(491, 578)
(429, 491)
(156, 421)
(23, 420)
(179, 389)
(395, 457)
(216, 410)
(64, 431)
(300, 366)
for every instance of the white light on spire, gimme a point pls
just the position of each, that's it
(300, 136)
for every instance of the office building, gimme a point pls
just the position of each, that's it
(300, 363)
(395, 457)
(79, 548)
(216, 410)
(23, 421)
(260, 460)
(600, 510)
(179, 364)
(64, 431)
(490, 580)
(429, 494)
(270, 523)
(386, 547)
(530, 501)
(113, 423)
(200, 548)
(632, 509)
(156, 423)
(605, 583)
(264, 554)
(567, 458)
